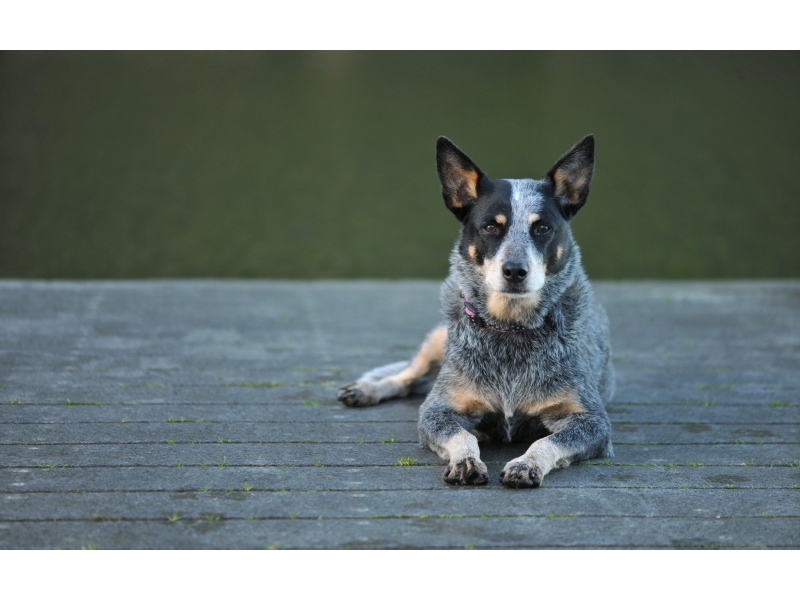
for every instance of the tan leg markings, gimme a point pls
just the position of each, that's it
(429, 356)
(468, 398)
(555, 410)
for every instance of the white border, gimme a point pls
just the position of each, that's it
(387, 575)
(411, 24)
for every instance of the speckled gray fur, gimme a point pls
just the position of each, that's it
(567, 347)
(548, 383)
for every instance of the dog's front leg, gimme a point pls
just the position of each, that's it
(578, 437)
(441, 432)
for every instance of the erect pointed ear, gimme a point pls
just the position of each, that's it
(459, 176)
(572, 174)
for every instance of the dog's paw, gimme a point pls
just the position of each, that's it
(468, 471)
(356, 394)
(521, 474)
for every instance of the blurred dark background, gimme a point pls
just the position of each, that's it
(321, 164)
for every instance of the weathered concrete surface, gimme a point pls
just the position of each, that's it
(201, 414)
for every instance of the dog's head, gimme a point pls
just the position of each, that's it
(515, 232)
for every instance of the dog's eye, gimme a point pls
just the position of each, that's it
(491, 228)
(541, 229)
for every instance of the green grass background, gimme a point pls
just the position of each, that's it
(321, 164)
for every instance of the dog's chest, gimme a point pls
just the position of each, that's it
(511, 370)
(509, 378)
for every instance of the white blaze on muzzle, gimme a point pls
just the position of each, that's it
(511, 252)
(517, 246)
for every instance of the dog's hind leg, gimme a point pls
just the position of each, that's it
(399, 379)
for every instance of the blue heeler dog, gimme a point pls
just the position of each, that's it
(525, 352)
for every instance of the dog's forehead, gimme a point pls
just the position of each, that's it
(526, 196)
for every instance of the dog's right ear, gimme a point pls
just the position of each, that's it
(459, 176)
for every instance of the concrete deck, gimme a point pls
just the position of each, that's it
(202, 414)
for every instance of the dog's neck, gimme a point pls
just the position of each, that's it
(479, 322)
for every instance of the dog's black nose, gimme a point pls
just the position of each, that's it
(514, 272)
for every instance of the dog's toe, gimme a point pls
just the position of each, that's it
(520, 475)
(354, 395)
(469, 471)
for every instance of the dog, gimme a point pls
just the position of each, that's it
(525, 353)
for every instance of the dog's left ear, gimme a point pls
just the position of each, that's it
(572, 174)
(459, 176)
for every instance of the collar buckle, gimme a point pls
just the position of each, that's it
(472, 314)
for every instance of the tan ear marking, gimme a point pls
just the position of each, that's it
(466, 182)
(560, 180)
(469, 186)
(569, 187)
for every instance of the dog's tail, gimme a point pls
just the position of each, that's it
(399, 379)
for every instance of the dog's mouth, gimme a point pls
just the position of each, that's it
(519, 290)
(515, 291)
